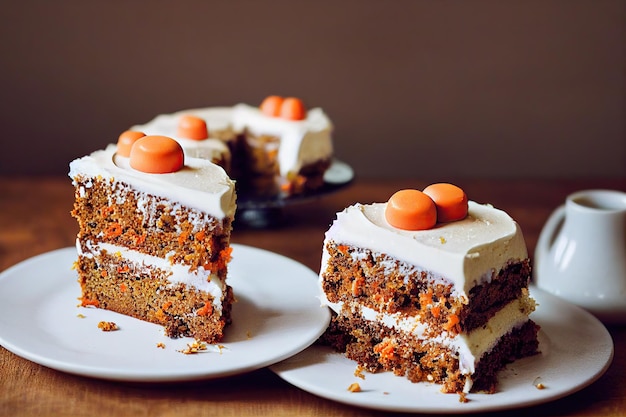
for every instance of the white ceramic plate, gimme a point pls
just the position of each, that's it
(576, 349)
(277, 314)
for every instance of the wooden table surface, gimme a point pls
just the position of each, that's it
(34, 218)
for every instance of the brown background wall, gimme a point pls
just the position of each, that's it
(423, 89)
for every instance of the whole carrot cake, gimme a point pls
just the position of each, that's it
(154, 235)
(429, 286)
(277, 148)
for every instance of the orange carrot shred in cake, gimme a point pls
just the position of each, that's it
(277, 148)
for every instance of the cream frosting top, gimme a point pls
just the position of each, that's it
(200, 184)
(301, 141)
(463, 252)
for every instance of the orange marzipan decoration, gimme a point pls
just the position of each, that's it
(435, 310)
(200, 235)
(167, 305)
(123, 269)
(104, 273)
(123, 287)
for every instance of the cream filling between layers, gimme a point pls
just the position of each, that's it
(201, 279)
(469, 347)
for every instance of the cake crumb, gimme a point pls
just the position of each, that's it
(442, 240)
(194, 347)
(248, 335)
(354, 387)
(538, 383)
(80, 316)
(161, 345)
(107, 326)
(358, 372)
(463, 397)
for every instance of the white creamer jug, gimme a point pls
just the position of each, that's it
(581, 253)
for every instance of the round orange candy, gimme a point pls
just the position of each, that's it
(192, 127)
(157, 155)
(451, 201)
(271, 106)
(411, 210)
(293, 109)
(126, 141)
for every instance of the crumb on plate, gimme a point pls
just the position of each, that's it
(354, 387)
(107, 326)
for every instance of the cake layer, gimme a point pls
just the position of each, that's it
(111, 211)
(377, 347)
(186, 303)
(462, 254)
(468, 347)
(388, 285)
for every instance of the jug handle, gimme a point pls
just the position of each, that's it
(546, 236)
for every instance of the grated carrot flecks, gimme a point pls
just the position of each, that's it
(453, 320)
(113, 231)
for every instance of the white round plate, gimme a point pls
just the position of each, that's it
(277, 314)
(576, 349)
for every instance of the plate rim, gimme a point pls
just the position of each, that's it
(599, 369)
(102, 372)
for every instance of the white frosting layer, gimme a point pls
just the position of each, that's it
(200, 184)
(200, 279)
(465, 252)
(301, 142)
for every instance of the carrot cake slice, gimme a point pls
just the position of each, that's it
(429, 286)
(154, 235)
